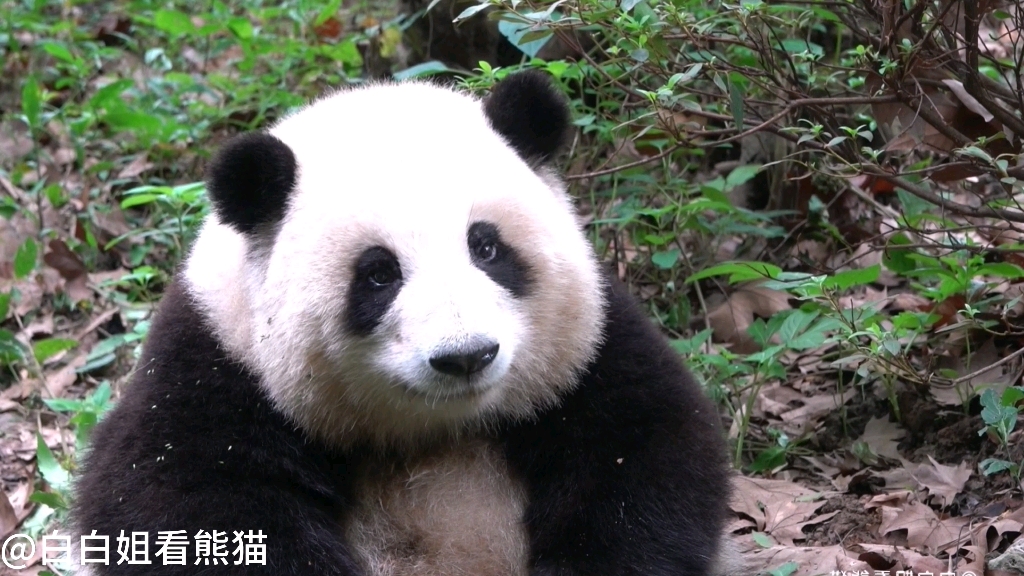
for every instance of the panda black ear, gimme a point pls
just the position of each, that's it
(250, 179)
(530, 113)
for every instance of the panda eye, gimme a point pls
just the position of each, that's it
(382, 277)
(485, 250)
(377, 267)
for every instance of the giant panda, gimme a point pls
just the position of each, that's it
(393, 351)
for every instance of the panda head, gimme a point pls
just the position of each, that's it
(397, 262)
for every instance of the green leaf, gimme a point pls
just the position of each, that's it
(59, 51)
(770, 459)
(64, 404)
(741, 175)
(31, 101)
(824, 14)
(666, 259)
(241, 28)
(990, 466)
(795, 324)
(640, 55)
(468, 12)
(1002, 419)
(5, 305)
(55, 475)
(684, 77)
(797, 45)
(644, 11)
(736, 98)
(978, 153)
(130, 120)
(45, 349)
(761, 539)
(891, 345)
(50, 499)
(138, 200)
(1011, 396)
(173, 22)
(811, 339)
(913, 205)
(84, 422)
(898, 259)
(525, 37)
(110, 94)
(1001, 269)
(420, 70)
(101, 396)
(738, 271)
(10, 348)
(25, 258)
(850, 278)
(628, 5)
(330, 9)
(55, 194)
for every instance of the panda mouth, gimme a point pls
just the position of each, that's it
(448, 390)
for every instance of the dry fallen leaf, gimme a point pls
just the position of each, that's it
(997, 378)
(810, 561)
(925, 530)
(897, 479)
(730, 320)
(972, 104)
(71, 268)
(8, 519)
(779, 507)
(911, 562)
(1008, 521)
(882, 436)
(943, 482)
(1012, 560)
(136, 167)
(817, 407)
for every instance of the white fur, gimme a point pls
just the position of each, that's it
(409, 167)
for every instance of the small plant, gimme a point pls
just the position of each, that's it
(774, 456)
(1000, 416)
(178, 211)
(54, 502)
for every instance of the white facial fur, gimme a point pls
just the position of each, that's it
(408, 167)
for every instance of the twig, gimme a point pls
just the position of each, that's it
(628, 165)
(922, 193)
(996, 364)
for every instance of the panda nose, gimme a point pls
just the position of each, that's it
(467, 359)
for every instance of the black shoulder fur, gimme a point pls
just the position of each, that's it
(193, 444)
(629, 475)
(626, 477)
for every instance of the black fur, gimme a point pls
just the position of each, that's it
(193, 444)
(250, 180)
(368, 299)
(530, 113)
(506, 268)
(626, 477)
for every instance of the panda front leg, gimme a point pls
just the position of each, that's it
(628, 475)
(194, 446)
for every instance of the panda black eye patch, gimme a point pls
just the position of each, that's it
(376, 281)
(497, 259)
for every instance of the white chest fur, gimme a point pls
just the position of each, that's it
(450, 512)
